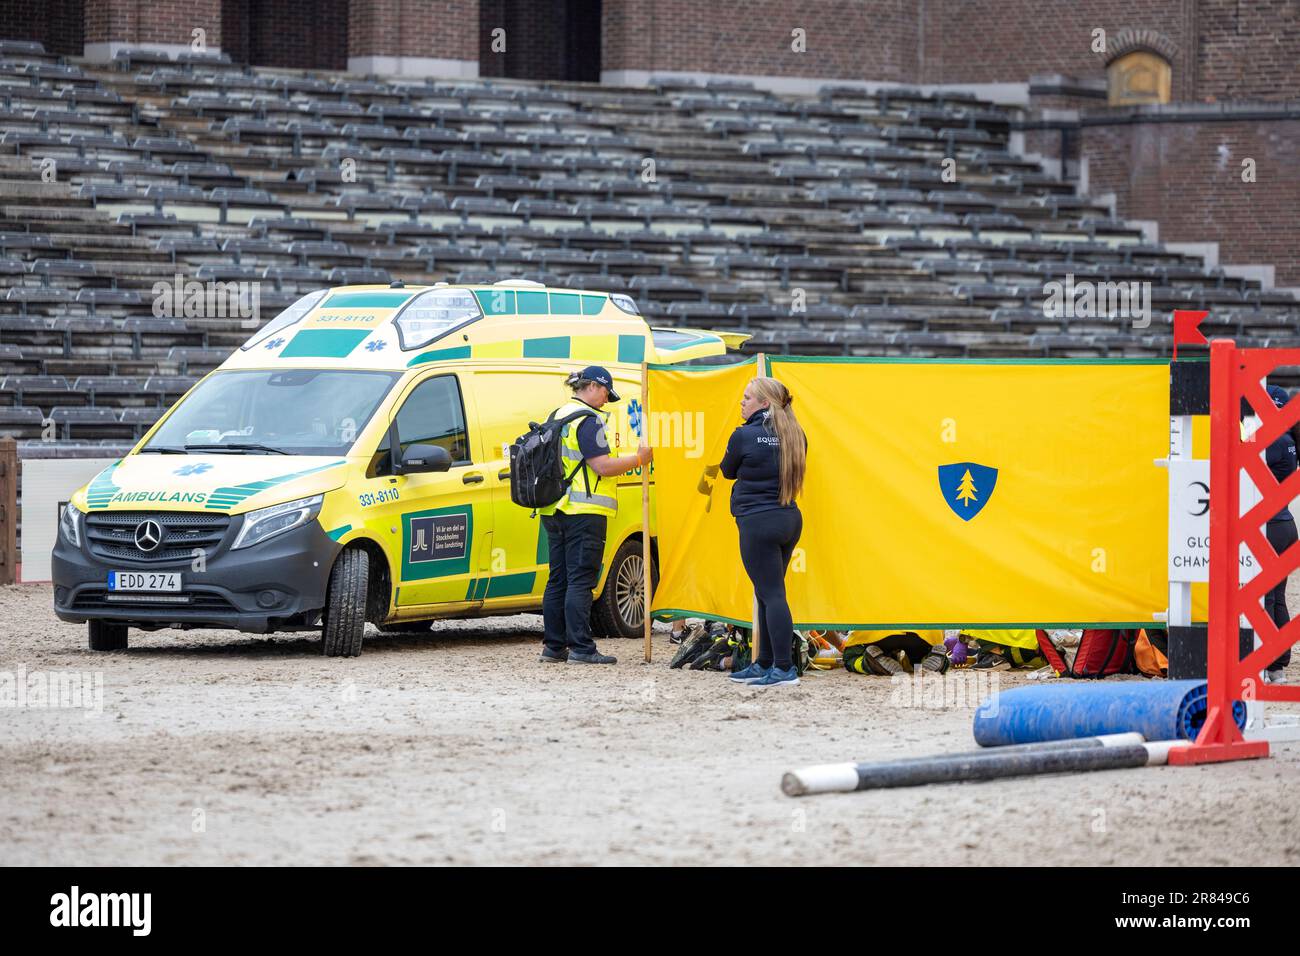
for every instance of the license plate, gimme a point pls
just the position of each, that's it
(144, 580)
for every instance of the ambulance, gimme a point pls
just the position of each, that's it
(350, 463)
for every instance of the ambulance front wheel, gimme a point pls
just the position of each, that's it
(345, 604)
(620, 609)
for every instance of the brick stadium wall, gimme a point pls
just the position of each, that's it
(862, 40)
(425, 28)
(545, 39)
(1225, 49)
(287, 33)
(1007, 41)
(156, 21)
(58, 24)
(1248, 51)
(1056, 98)
(1187, 176)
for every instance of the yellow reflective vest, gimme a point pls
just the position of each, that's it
(578, 500)
(1024, 638)
(932, 638)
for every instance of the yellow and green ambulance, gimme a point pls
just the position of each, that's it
(349, 463)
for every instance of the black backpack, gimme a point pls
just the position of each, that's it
(537, 476)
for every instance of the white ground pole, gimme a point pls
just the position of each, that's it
(1183, 471)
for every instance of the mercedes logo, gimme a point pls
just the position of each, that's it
(148, 535)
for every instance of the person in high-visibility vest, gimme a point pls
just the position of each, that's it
(767, 457)
(1006, 648)
(887, 653)
(576, 524)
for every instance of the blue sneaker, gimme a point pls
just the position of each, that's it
(777, 678)
(750, 674)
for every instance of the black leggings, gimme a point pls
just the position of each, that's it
(1281, 535)
(767, 540)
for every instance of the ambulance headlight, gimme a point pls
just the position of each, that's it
(624, 302)
(432, 314)
(70, 525)
(277, 519)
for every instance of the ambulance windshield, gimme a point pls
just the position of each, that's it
(294, 412)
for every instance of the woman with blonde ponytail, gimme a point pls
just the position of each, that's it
(766, 457)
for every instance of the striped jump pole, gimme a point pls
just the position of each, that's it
(1106, 752)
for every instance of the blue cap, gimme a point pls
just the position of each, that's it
(601, 376)
(1279, 395)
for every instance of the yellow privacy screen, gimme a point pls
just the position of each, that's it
(699, 551)
(938, 494)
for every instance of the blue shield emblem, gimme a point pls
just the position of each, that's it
(966, 487)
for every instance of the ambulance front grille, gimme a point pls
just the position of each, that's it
(98, 599)
(110, 535)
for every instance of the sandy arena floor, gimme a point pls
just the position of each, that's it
(214, 747)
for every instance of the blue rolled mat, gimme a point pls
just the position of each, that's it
(1158, 710)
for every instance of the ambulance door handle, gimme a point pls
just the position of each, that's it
(472, 479)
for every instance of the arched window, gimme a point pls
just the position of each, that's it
(1139, 67)
(1138, 77)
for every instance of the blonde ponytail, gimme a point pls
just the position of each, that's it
(794, 443)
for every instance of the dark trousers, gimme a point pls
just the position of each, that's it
(577, 543)
(1281, 535)
(914, 645)
(767, 540)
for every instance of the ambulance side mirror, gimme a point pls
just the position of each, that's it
(419, 459)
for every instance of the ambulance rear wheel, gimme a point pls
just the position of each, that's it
(620, 609)
(345, 604)
(106, 635)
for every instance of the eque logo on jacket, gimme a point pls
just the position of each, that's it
(967, 487)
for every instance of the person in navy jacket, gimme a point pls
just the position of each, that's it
(1280, 530)
(766, 456)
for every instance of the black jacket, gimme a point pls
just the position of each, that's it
(753, 459)
(1281, 460)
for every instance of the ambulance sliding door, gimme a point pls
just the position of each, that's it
(508, 399)
(442, 520)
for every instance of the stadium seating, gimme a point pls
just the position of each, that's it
(821, 225)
